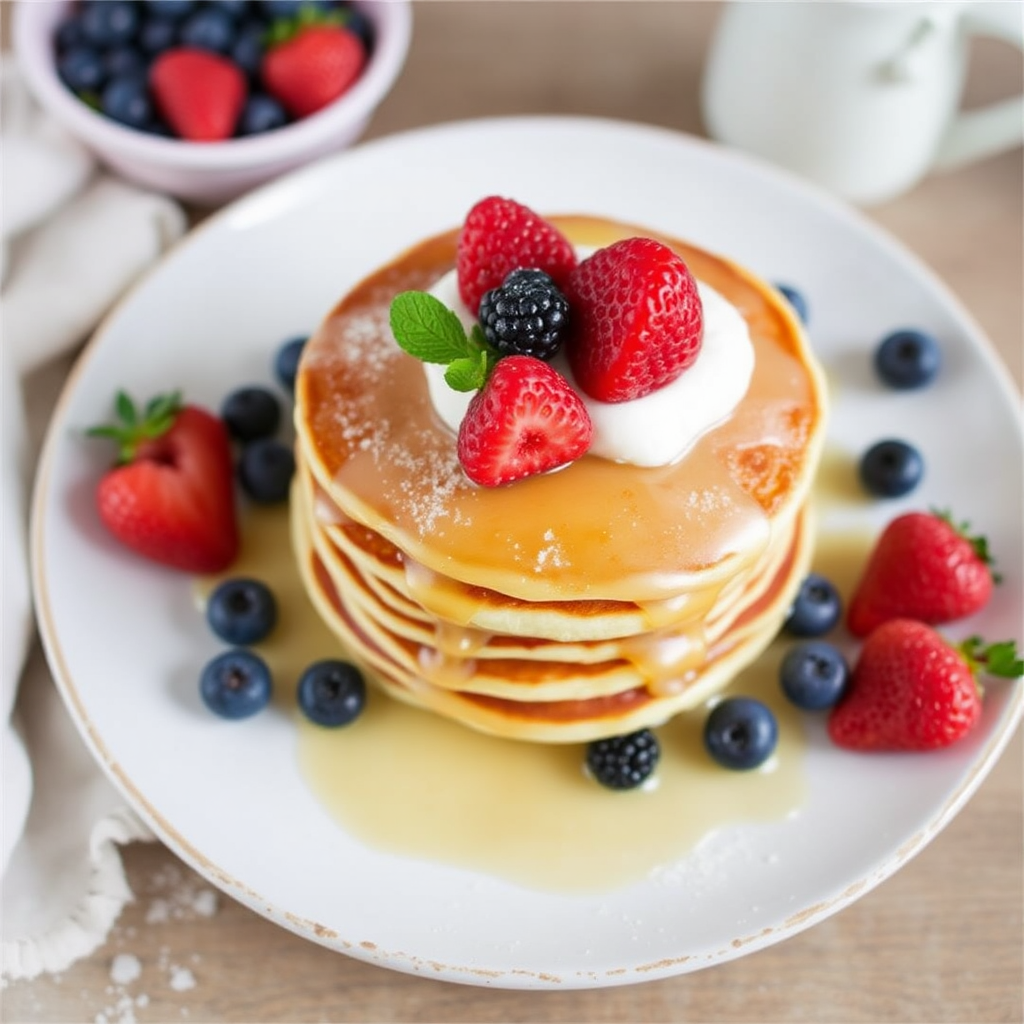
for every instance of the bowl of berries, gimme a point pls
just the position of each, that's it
(206, 99)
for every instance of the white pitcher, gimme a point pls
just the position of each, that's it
(861, 96)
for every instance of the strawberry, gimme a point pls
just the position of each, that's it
(526, 420)
(637, 320)
(911, 690)
(309, 64)
(200, 93)
(499, 236)
(923, 567)
(171, 497)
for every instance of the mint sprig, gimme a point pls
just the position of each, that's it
(427, 329)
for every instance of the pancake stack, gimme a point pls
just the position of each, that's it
(568, 606)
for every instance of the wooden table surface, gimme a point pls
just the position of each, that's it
(942, 940)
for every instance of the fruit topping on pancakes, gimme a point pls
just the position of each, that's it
(526, 420)
(526, 316)
(637, 321)
(499, 236)
(629, 319)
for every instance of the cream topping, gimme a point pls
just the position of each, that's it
(658, 428)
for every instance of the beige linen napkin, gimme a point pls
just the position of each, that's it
(73, 239)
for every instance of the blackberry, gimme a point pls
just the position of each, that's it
(526, 316)
(623, 762)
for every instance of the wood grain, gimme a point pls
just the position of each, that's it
(940, 941)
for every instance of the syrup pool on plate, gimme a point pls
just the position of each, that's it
(414, 784)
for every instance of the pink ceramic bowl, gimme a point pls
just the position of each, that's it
(211, 172)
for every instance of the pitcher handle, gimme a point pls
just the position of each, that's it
(976, 134)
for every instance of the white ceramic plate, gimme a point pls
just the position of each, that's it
(270, 266)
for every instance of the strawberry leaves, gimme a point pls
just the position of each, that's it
(170, 495)
(135, 427)
(999, 659)
(427, 329)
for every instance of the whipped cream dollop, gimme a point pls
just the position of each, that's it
(658, 428)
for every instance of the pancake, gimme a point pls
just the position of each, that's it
(563, 719)
(569, 605)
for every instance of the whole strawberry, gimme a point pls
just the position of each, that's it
(199, 93)
(925, 567)
(637, 319)
(310, 61)
(171, 496)
(526, 420)
(911, 690)
(500, 235)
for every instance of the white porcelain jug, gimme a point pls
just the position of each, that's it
(861, 96)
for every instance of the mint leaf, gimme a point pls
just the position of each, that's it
(426, 328)
(468, 373)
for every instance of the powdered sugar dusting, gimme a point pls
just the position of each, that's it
(552, 555)
(426, 486)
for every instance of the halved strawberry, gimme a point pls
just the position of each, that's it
(637, 319)
(499, 236)
(171, 498)
(526, 420)
(200, 93)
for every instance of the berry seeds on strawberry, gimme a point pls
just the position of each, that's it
(637, 319)
(525, 418)
(170, 497)
(500, 235)
(910, 689)
(310, 61)
(925, 567)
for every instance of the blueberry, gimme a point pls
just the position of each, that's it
(331, 692)
(81, 69)
(235, 684)
(248, 49)
(813, 675)
(236, 9)
(157, 35)
(286, 361)
(740, 733)
(250, 413)
(908, 359)
(158, 126)
(816, 607)
(623, 762)
(69, 34)
(110, 23)
(265, 470)
(126, 99)
(274, 9)
(796, 299)
(209, 29)
(890, 469)
(123, 61)
(241, 610)
(175, 10)
(261, 113)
